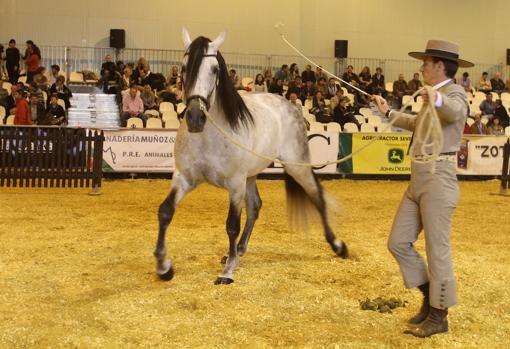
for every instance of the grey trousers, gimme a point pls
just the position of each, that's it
(427, 204)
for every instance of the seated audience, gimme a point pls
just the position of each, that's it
(155, 80)
(55, 114)
(319, 108)
(465, 82)
(236, 81)
(343, 114)
(378, 84)
(414, 84)
(168, 95)
(400, 89)
(61, 90)
(283, 74)
(308, 75)
(293, 72)
(10, 102)
(487, 107)
(258, 84)
(127, 78)
(268, 78)
(365, 79)
(293, 97)
(55, 71)
(178, 91)
(333, 102)
(132, 107)
(37, 110)
(484, 85)
(174, 75)
(108, 66)
(351, 78)
(294, 87)
(501, 113)
(322, 86)
(276, 87)
(495, 128)
(497, 84)
(22, 116)
(333, 88)
(307, 91)
(320, 74)
(478, 128)
(136, 70)
(3, 95)
(148, 98)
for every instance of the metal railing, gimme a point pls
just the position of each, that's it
(73, 58)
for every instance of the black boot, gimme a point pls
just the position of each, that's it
(425, 307)
(436, 322)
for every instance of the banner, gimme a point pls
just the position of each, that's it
(139, 150)
(387, 155)
(481, 155)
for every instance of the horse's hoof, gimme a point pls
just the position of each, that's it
(340, 249)
(223, 281)
(224, 260)
(168, 275)
(241, 250)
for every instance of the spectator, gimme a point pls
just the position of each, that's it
(467, 129)
(174, 75)
(496, 129)
(31, 47)
(132, 107)
(319, 108)
(178, 91)
(236, 81)
(293, 72)
(22, 116)
(501, 113)
(258, 84)
(487, 107)
(35, 91)
(283, 74)
(478, 128)
(55, 71)
(127, 78)
(12, 61)
(119, 67)
(33, 61)
(168, 95)
(322, 86)
(351, 78)
(293, 97)
(108, 68)
(276, 87)
(308, 75)
(400, 89)
(320, 74)
(335, 100)
(333, 88)
(3, 95)
(155, 80)
(497, 84)
(36, 110)
(378, 84)
(308, 91)
(55, 114)
(294, 87)
(484, 85)
(136, 70)
(268, 78)
(148, 98)
(465, 82)
(342, 114)
(62, 91)
(10, 102)
(365, 79)
(414, 84)
(41, 80)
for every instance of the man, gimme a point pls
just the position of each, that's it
(433, 192)
(12, 61)
(488, 106)
(37, 110)
(400, 89)
(294, 87)
(333, 88)
(132, 107)
(501, 113)
(235, 79)
(335, 100)
(378, 85)
(498, 85)
(478, 128)
(308, 75)
(154, 80)
(283, 74)
(55, 114)
(484, 85)
(55, 72)
(22, 116)
(414, 84)
(276, 87)
(108, 68)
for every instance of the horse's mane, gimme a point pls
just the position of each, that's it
(226, 95)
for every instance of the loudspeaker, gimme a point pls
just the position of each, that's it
(117, 38)
(341, 48)
(508, 56)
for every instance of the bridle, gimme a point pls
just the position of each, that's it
(202, 101)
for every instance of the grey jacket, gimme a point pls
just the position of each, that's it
(453, 114)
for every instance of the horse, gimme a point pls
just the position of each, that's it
(265, 123)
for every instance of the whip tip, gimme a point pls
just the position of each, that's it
(278, 27)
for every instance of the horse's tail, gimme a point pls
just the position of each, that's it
(299, 206)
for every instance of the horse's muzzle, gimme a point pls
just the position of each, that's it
(195, 117)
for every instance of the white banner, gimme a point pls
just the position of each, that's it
(482, 155)
(139, 150)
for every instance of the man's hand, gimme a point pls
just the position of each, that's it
(381, 104)
(425, 95)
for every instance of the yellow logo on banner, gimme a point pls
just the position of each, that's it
(387, 155)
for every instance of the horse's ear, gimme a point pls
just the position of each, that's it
(185, 37)
(215, 45)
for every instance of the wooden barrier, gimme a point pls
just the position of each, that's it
(50, 157)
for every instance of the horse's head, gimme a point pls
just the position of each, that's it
(200, 72)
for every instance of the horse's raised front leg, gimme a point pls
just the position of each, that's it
(237, 193)
(253, 205)
(180, 187)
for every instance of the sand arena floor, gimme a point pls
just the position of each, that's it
(77, 271)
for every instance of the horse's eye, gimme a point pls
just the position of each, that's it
(215, 70)
(183, 69)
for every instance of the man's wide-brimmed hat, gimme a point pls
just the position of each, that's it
(442, 49)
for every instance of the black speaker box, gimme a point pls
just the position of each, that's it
(117, 38)
(508, 56)
(341, 48)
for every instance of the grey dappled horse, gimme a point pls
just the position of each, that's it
(266, 123)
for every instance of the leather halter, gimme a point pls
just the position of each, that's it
(203, 102)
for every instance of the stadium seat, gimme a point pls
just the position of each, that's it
(169, 115)
(350, 127)
(61, 103)
(333, 127)
(10, 120)
(407, 99)
(361, 119)
(384, 128)
(470, 121)
(309, 117)
(152, 113)
(154, 123)
(389, 86)
(373, 120)
(164, 106)
(308, 104)
(172, 123)
(479, 95)
(495, 96)
(316, 127)
(485, 120)
(180, 108)
(23, 79)
(351, 98)
(327, 102)
(507, 131)
(365, 111)
(7, 86)
(368, 128)
(2, 113)
(134, 123)
(76, 77)
(416, 107)
(505, 96)
(345, 90)
(298, 101)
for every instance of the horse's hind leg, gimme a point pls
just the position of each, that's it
(253, 205)
(306, 179)
(166, 211)
(233, 230)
